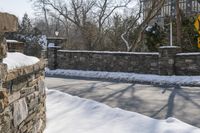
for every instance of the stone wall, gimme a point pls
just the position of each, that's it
(108, 61)
(22, 90)
(168, 61)
(52, 56)
(15, 46)
(187, 64)
(167, 55)
(22, 100)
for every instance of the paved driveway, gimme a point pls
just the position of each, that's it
(154, 101)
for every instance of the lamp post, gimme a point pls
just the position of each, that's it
(56, 41)
(56, 33)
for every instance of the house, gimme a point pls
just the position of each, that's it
(188, 7)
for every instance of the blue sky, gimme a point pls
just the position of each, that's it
(17, 7)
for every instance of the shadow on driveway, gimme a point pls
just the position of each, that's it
(152, 100)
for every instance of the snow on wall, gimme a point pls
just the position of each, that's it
(185, 54)
(12, 41)
(17, 60)
(169, 47)
(109, 52)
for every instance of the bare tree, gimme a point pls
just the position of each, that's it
(76, 12)
(41, 7)
(82, 13)
(91, 18)
(154, 7)
(105, 9)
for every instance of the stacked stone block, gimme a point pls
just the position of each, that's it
(169, 61)
(22, 107)
(188, 64)
(52, 57)
(22, 90)
(167, 56)
(108, 61)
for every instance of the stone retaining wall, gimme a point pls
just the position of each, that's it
(22, 90)
(187, 64)
(168, 61)
(108, 61)
(22, 100)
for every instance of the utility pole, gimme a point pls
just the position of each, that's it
(178, 24)
(172, 15)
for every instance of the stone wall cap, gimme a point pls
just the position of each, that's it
(14, 42)
(56, 38)
(13, 74)
(194, 53)
(109, 52)
(168, 47)
(54, 46)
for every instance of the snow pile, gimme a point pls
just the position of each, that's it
(128, 77)
(17, 60)
(70, 114)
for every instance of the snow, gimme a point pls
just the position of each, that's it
(51, 45)
(12, 41)
(194, 53)
(108, 52)
(54, 46)
(169, 47)
(17, 60)
(71, 114)
(128, 77)
(148, 28)
(43, 41)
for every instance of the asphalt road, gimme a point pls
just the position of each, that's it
(155, 101)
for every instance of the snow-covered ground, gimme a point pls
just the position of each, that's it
(71, 114)
(128, 77)
(17, 60)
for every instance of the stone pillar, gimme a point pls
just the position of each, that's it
(8, 23)
(3, 53)
(52, 57)
(167, 56)
(44, 54)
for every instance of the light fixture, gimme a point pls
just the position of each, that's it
(56, 33)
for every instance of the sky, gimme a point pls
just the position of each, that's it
(17, 7)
